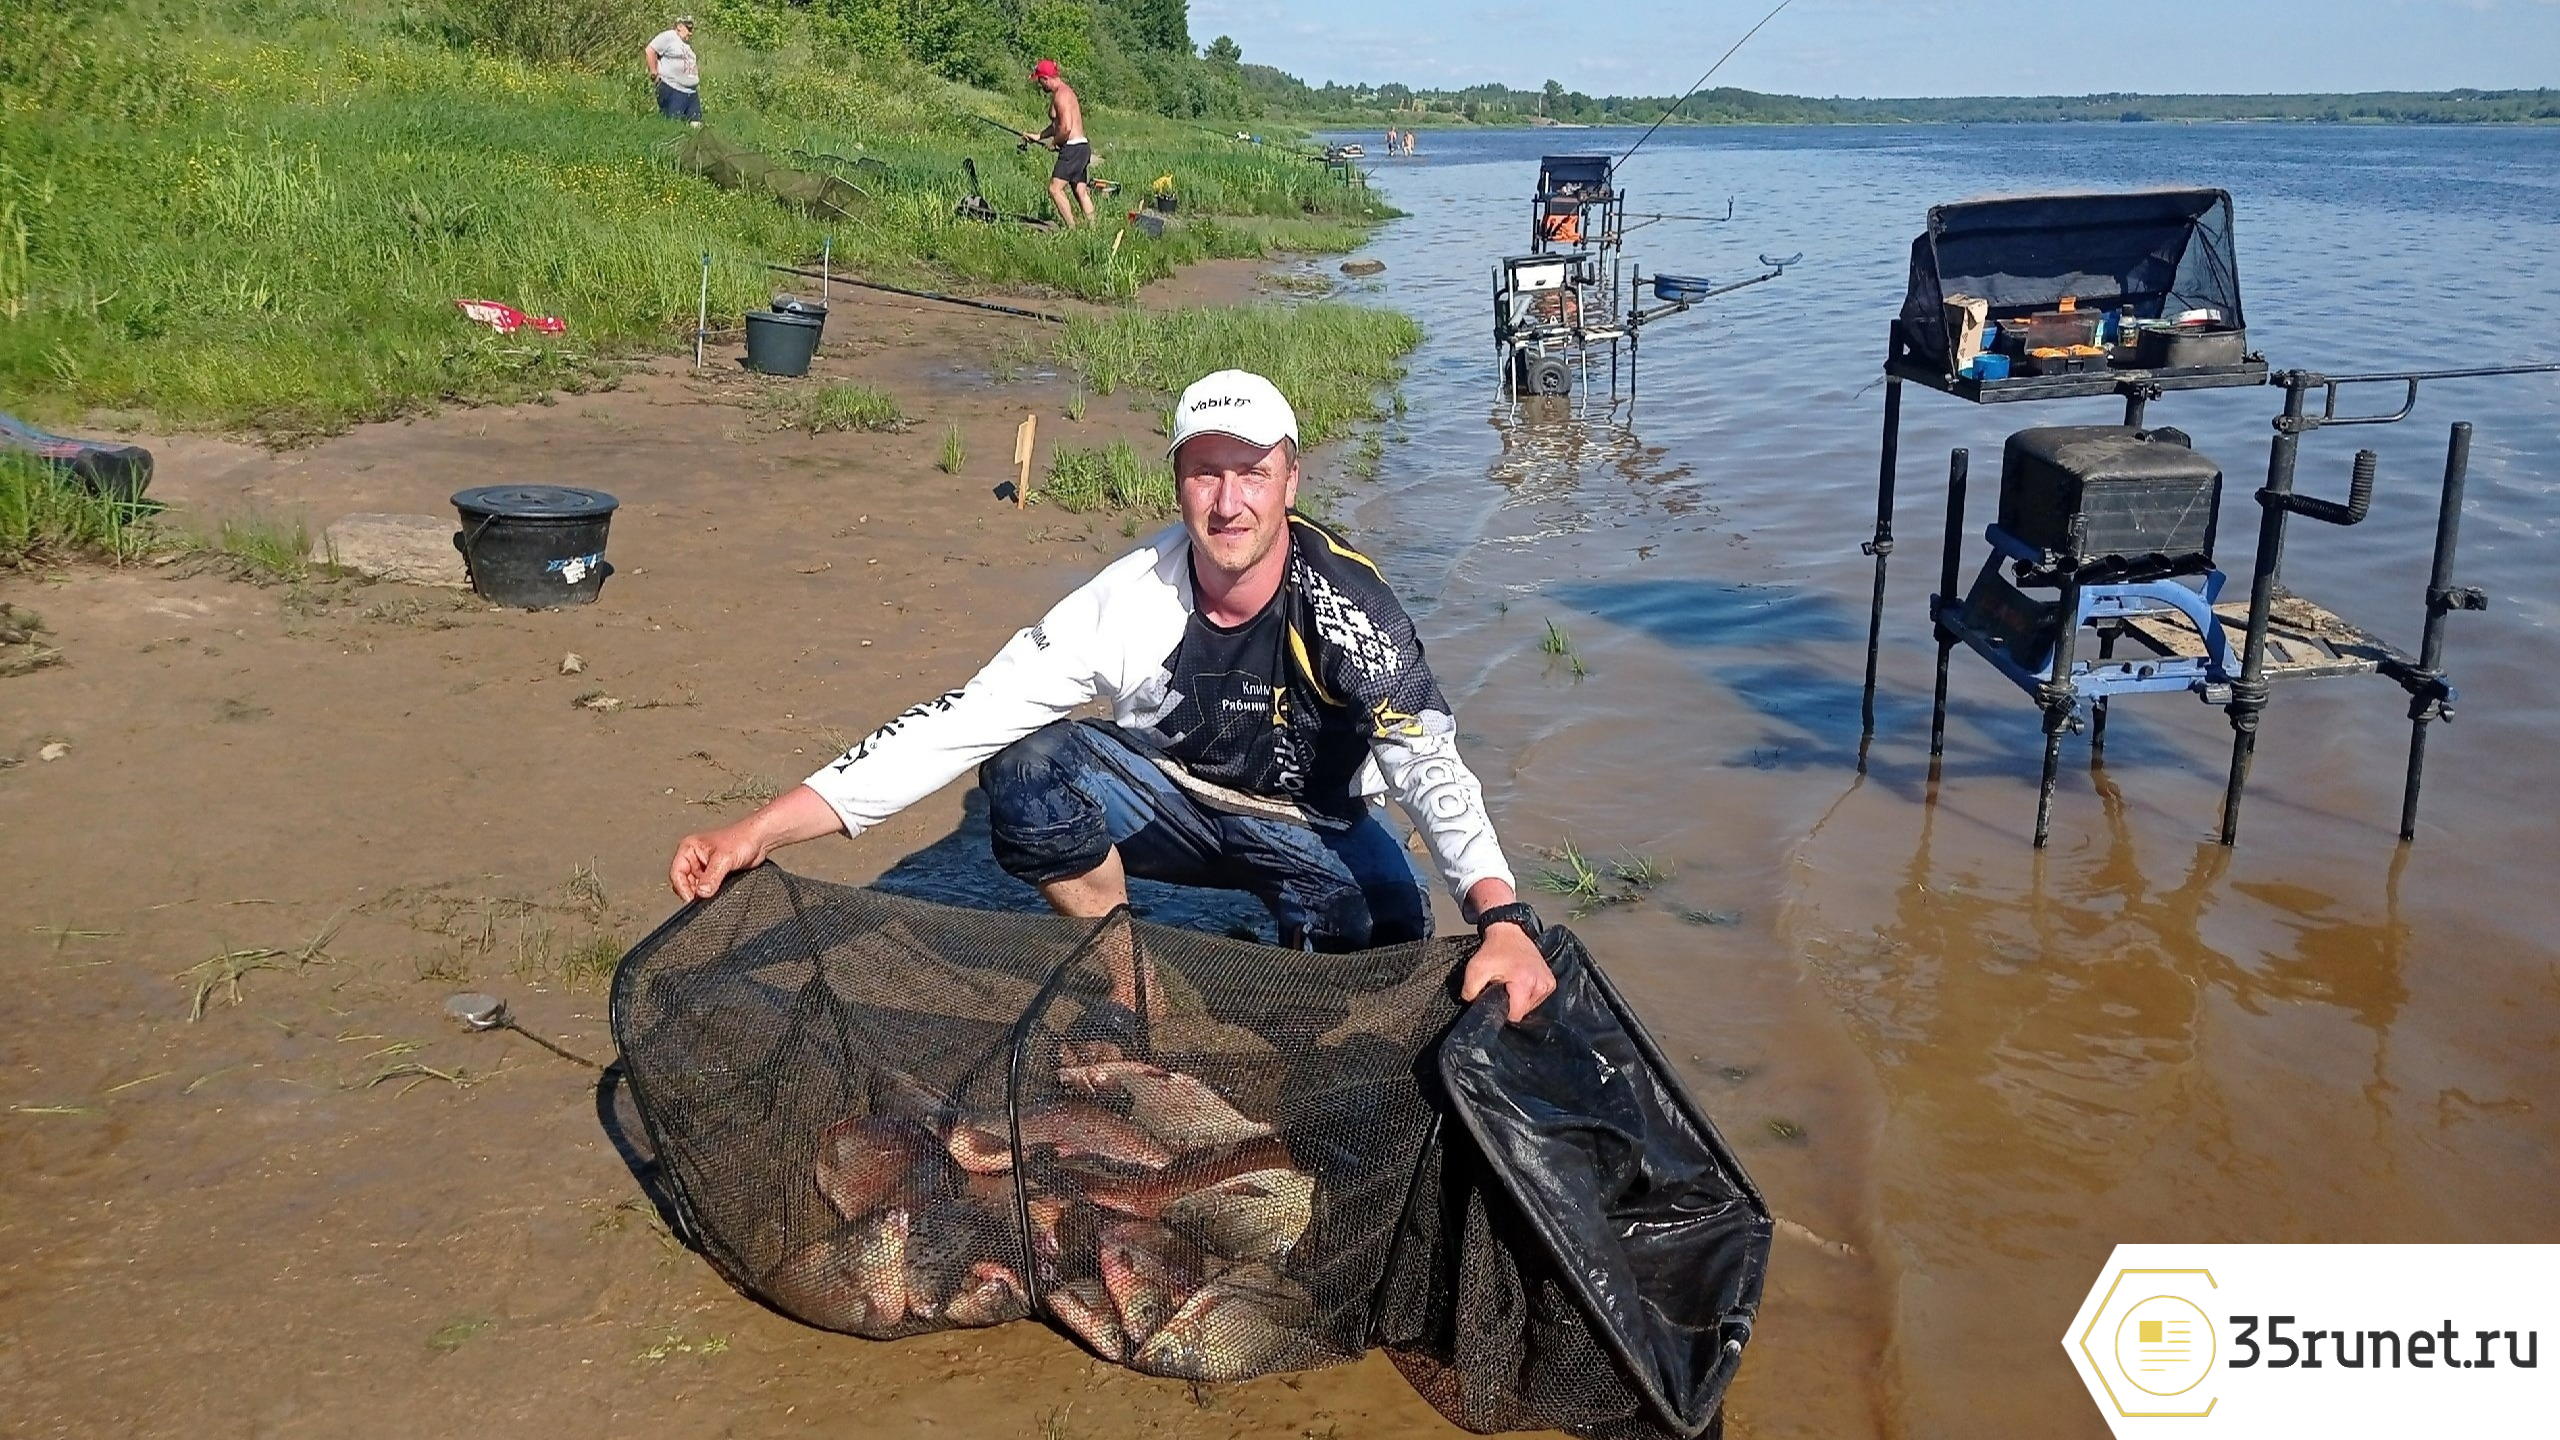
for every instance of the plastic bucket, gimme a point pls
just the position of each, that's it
(536, 547)
(782, 344)
(805, 308)
(1681, 287)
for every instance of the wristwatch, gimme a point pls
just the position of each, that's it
(1516, 913)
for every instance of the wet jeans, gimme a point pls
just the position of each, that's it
(1060, 798)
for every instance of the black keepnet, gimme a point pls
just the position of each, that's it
(2161, 251)
(1596, 1272)
(1650, 1219)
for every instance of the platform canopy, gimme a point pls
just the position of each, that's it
(2164, 252)
(1584, 177)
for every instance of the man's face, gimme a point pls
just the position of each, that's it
(685, 33)
(1235, 499)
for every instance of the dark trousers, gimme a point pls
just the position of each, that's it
(678, 104)
(1060, 798)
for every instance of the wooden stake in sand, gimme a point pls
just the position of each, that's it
(702, 313)
(1023, 435)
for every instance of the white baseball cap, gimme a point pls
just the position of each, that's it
(1233, 402)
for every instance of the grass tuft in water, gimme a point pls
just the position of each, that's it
(265, 547)
(48, 516)
(954, 453)
(1331, 361)
(839, 407)
(1115, 477)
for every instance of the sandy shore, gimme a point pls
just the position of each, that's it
(321, 809)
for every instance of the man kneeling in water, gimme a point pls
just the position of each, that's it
(1264, 683)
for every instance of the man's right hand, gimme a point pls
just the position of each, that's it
(705, 860)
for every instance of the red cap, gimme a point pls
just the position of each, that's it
(1045, 70)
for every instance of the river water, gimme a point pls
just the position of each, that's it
(1978, 1066)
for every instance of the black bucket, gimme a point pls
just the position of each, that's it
(534, 546)
(782, 344)
(804, 307)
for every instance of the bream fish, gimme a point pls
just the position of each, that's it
(991, 1295)
(1247, 1322)
(866, 1161)
(1260, 1215)
(853, 1279)
(1148, 1272)
(1180, 1110)
(1074, 1131)
(1145, 1196)
(1084, 1307)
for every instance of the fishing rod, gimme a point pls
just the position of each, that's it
(1021, 142)
(924, 295)
(1702, 82)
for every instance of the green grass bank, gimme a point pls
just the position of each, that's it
(257, 213)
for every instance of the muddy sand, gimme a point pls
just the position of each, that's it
(252, 1182)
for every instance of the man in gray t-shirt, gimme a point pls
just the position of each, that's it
(678, 75)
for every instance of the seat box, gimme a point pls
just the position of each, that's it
(2147, 502)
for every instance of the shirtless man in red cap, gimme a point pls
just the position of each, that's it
(1066, 136)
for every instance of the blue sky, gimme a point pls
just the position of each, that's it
(1906, 47)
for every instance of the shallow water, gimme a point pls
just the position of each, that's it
(1980, 1065)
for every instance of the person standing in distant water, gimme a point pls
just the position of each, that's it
(1391, 140)
(677, 73)
(1065, 135)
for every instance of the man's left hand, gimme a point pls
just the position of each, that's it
(1510, 959)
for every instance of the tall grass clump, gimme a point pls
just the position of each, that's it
(1331, 361)
(586, 33)
(48, 516)
(840, 407)
(1114, 477)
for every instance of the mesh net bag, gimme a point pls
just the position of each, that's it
(1204, 1158)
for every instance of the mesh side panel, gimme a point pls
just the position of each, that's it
(798, 1051)
(1474, 1310)
(1280, 1088)
(884, 1117)
(1481, 1327)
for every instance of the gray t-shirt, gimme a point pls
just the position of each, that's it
(676, 66)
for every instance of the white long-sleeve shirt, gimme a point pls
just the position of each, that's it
(1318, 703)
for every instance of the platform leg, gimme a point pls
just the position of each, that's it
(2058, 695)
(2098, 707)
(2249, 691)
(2442, 600)
(1880, 547)
(2052, 768)
(1959, 463)
(2417, 777)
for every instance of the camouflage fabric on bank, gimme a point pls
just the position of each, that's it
(1203, 1158)
(732, 166)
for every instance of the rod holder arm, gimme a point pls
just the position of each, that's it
(2330, 512)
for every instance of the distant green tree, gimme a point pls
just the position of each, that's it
(1060, 30)
(1224, 52)
(1153, 24)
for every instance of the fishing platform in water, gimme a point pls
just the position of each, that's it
(1558, 311)
(2109, 531)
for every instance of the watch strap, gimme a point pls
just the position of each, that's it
(1517, 912)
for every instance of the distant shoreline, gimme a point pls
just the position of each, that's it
(1497, 107)
(1347, 124)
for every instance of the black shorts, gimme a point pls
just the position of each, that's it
(678, 104)
(1073, 162)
